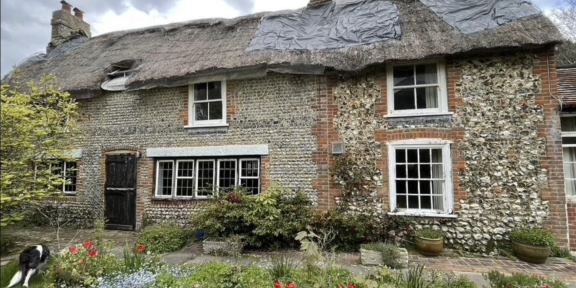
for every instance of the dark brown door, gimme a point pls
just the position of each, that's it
(120, 193)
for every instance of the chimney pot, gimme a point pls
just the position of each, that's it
(66, 7)
(79, 14)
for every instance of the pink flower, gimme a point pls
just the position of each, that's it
(93, 253)
(140, 248)
(291, 285)
(350, 285)
(82, 262)
(278, 284)
(87, 245)
(546, 286)
(73, 249)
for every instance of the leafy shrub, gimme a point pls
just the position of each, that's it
(83, 265)
(536, 237)
(352, 230)
(163, 238)
(430, 234)
(499, 280)
(389, 253)
(6, 245)
(561, 253)
(416, 277)
(283, 269)
(269, 220)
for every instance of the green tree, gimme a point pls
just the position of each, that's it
(37, 128)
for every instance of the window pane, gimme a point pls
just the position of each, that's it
(427, 97)
(404, 99)
(227, 175)
(249, 168)
(215, 110)
(436, 155)
(201, 111)
(424, 155)
(214, 90)
(251, 185)
(205, 178)
(401, 201)
(403, 75)
(400, 156)
(568, 140)
(425, 171)
(438, 203)
(437, 172)
(571, 187)
(412, 155)
(413, 202)
(200, 92)
(426, 74)
(71, 176)
(186, 169)
(412, 187)
(568, 124)
(185, 187)
(425, 202)
(400, 187)
(413, 171)
(165, 174)
(400, 171)
(438, 187)
(425, 187)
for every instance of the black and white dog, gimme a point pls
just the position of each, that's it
(31, 260)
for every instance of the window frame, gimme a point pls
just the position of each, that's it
(176, 177)
(249, 177)
(213, 178)
(445, 145)
(442, 89)
(567, 135)
(192, 122)
(236, 161)
(65, 164)
(173, 191)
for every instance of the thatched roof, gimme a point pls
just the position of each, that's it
(567, 85)
(173, 54)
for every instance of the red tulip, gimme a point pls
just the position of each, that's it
(73, 249)
(278, 284)
(350, 285)
(140, 248)
(546, 286)
(291, 285)
(93, 253)
(87, 245)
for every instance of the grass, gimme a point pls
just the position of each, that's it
(8, 271)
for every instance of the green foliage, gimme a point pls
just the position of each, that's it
(269, 220)
(430, 234)
(6, 245)
(163, 238)
(416, 277)
(135, 259)
(499, 280)
(536, 237)
(219, 275)
(561, 253)
(352, 230)
(389, 253)
(354, 179)
(283, 269)
(83, 265)
(37, 129)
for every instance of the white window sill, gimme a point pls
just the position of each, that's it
(206, 126)
(571, 199)
(430, 215)
(417, 115)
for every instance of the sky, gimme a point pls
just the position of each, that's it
(25, 24)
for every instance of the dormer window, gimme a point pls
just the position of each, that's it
(120, 72)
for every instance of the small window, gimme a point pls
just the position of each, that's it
(208, 104)
(421, 178)
(199, 178)
(69, 172)
(417, 89)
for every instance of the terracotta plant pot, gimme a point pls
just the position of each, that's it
(430, 247)
(530, 253)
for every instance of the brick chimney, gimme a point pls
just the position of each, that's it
(66, 26)
(79, 14)
(318, 2)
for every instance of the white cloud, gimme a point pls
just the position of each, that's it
(275, 5)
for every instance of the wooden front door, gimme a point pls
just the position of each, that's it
(120, 193)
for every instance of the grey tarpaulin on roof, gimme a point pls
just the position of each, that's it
(330, 26)
(470, 16)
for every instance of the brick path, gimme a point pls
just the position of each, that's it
(559, 268)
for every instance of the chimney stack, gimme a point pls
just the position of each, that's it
(79, 14)
(66, 26)
(313, 3)
(66, 7)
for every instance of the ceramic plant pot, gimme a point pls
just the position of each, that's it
(530, 253)
(430, 247)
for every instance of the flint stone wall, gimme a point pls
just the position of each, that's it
(276, 110)
(502, 178)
